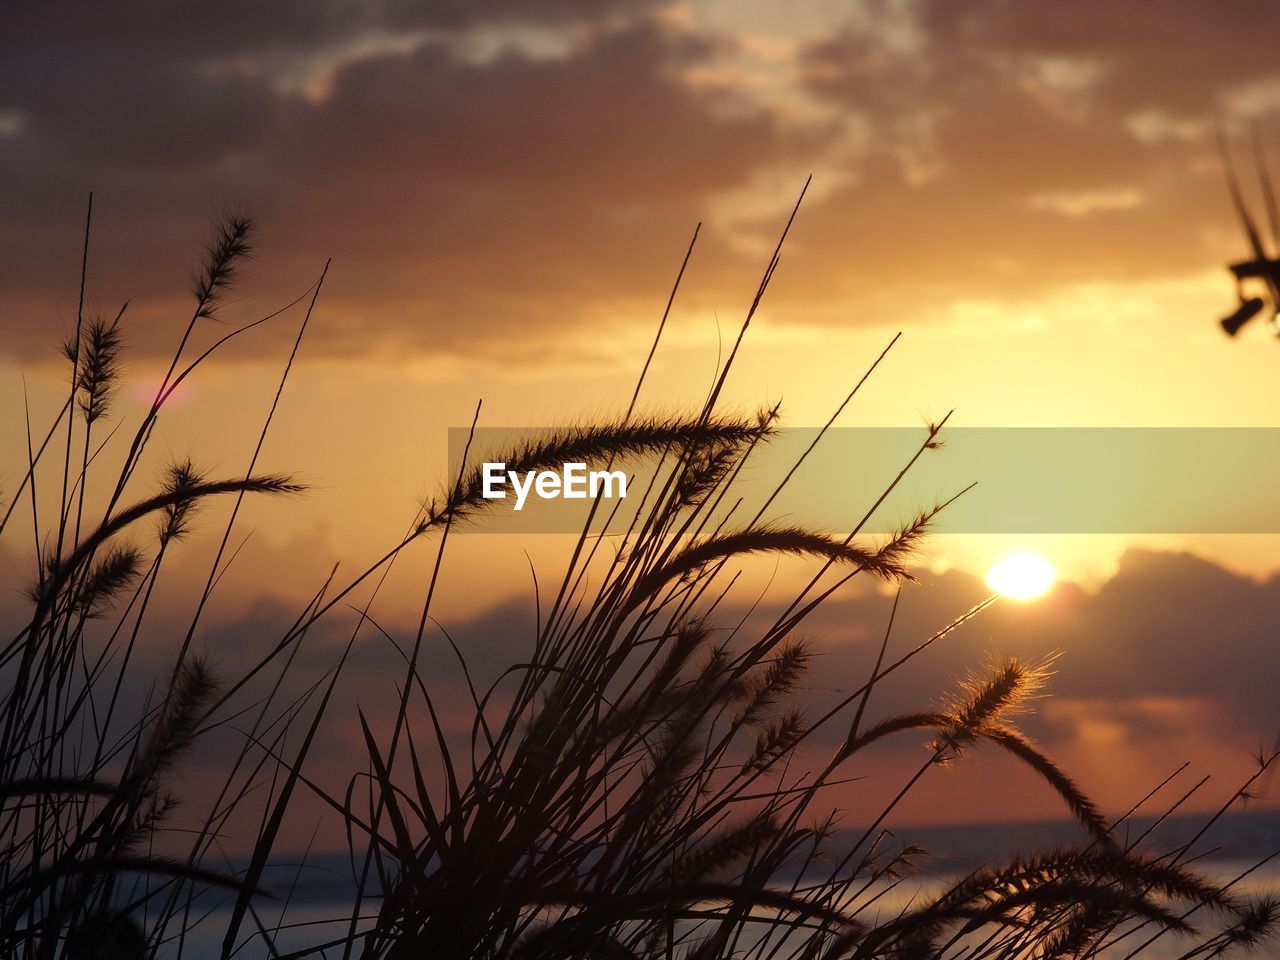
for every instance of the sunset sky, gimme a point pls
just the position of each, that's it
(1031, 193)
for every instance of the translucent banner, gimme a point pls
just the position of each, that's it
(1026, 480)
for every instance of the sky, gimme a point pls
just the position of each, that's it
(1030, 193)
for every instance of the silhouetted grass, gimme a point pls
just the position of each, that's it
(641, 785)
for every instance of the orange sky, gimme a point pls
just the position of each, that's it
(1030, 192)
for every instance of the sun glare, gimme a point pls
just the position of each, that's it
(1023, 576)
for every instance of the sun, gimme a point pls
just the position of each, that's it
(1023, 576)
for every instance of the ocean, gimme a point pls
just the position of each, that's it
(321, 889)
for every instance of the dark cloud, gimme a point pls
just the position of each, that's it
(203, 33)
(475, 200)
(1172, 658)
(462, 199)
(505, 208)
(1170, 643)
(1166, 628)
(1180, 57)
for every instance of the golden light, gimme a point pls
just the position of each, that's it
(1023, 576)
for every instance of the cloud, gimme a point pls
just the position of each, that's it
(1170, 657)
(1170, 644)
(1007, 116)
(1168, 661)
(1085, 202)
(466, 200)
(484, 173)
